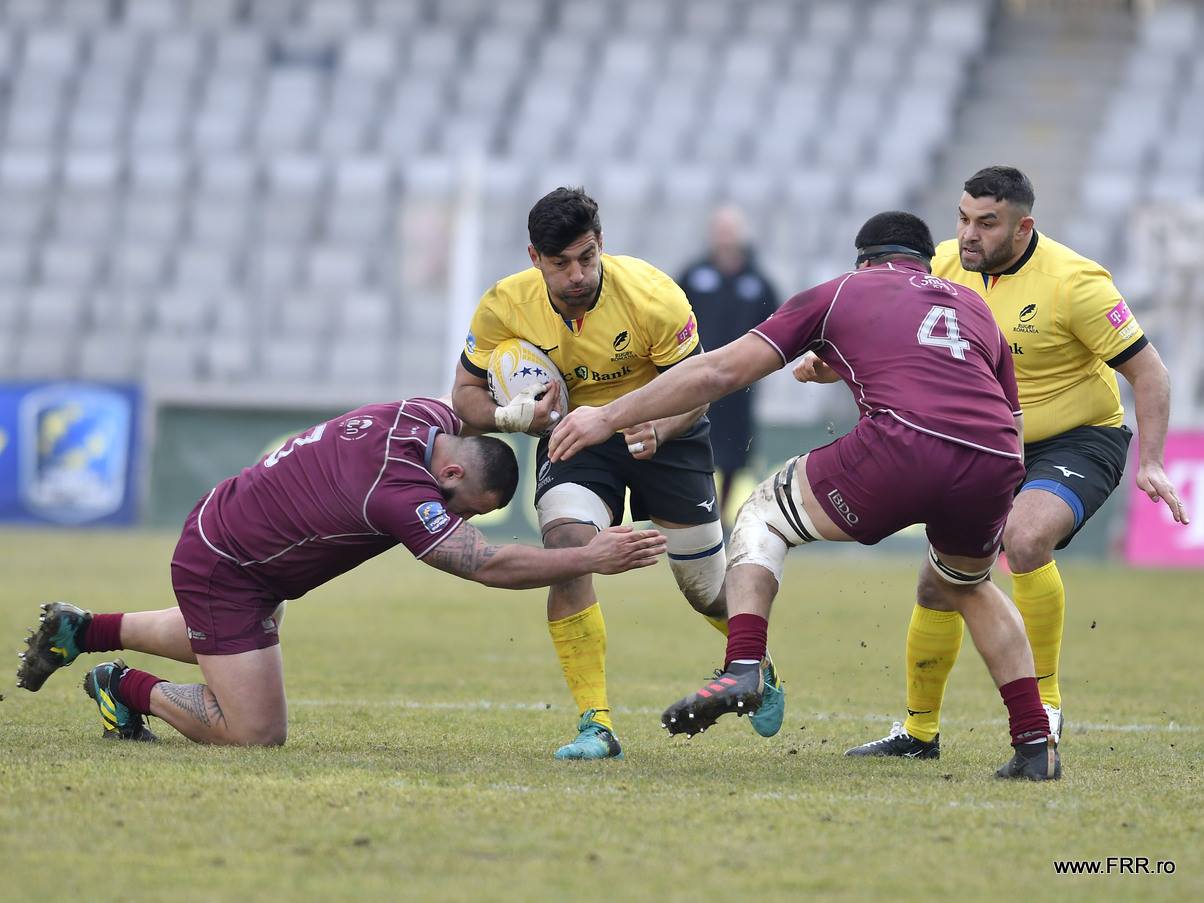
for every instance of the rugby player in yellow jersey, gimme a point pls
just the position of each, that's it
(610, 324)
(1069, 329)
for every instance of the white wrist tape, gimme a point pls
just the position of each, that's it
(516, 416)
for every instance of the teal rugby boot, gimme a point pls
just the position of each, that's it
(767, 720)
(54, 645)
(115, 716)
(594, 741)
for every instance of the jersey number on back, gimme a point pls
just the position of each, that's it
(313, 436)
(952, 338)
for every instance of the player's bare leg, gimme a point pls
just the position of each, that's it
(578, 632)
(65, 631)
(961, 584)
(1038, 522)
(161, 633)
(241, 703)
(758, 551)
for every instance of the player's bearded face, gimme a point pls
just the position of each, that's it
(572, 276)
(986, 234)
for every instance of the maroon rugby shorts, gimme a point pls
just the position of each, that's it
(883, 476)
(225, 609)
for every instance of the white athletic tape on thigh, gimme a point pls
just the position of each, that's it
(776, 503)
(698, 561)
(572, 501)
(956, 577)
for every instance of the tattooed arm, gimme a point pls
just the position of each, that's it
(466, 553)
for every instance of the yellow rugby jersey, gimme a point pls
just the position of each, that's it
(640, 322)
(1068, 327)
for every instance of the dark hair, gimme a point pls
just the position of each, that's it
(495, 466)
(1003, 183)
(894, 233)
(561, 217)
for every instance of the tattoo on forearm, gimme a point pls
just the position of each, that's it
(195, 699)
(463, 553)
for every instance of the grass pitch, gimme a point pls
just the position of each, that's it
(424, 711)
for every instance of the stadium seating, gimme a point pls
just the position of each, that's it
(223, 192)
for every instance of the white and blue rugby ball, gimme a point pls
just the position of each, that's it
(516, 365)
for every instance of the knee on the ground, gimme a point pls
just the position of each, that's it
(259, 735)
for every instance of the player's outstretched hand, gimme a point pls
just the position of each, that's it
(582, 428)
(619, 549)
(810, 369)
(1153, 481)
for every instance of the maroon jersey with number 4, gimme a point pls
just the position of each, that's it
(334, 496)
(910, 345)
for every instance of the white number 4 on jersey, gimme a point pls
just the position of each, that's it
(951, 339)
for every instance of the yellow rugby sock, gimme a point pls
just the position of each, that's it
(580, 642)
(1041, 598)
(719, 624)
(933, 640)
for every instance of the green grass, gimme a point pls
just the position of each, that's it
(424, 712)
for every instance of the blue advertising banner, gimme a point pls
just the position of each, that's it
(68, 453)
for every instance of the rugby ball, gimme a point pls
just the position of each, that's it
(516, 365)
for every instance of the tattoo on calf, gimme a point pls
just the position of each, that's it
(195, 699)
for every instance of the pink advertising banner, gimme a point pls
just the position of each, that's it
(1152, 537)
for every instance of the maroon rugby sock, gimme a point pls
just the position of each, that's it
(746, 638)
(1026, 718)
(135, 689)
(103, 634)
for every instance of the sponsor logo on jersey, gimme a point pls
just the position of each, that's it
(433, 516)
(1026, 328)
(1129, 331)
(1119, 314)
(470, 342)
(597, 377)
(684, 334)
(933, 282)
(1016, 349)
(842, 506)
(196, 635)
(623, 356)
(354, 428)
(584, 372)
(1029, 311)
(622, 340)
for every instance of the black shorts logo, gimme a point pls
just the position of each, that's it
(842, 506)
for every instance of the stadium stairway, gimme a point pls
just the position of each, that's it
(1035, 100)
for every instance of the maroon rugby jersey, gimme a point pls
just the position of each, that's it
(910, 345)
(334, 496)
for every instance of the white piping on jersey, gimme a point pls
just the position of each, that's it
(201, 528)
(302, 542)
(383, 465)
(772, 344)
(968, 444)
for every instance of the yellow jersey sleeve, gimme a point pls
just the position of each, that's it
(1099, 316)
(673, 330)
(486, 331)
